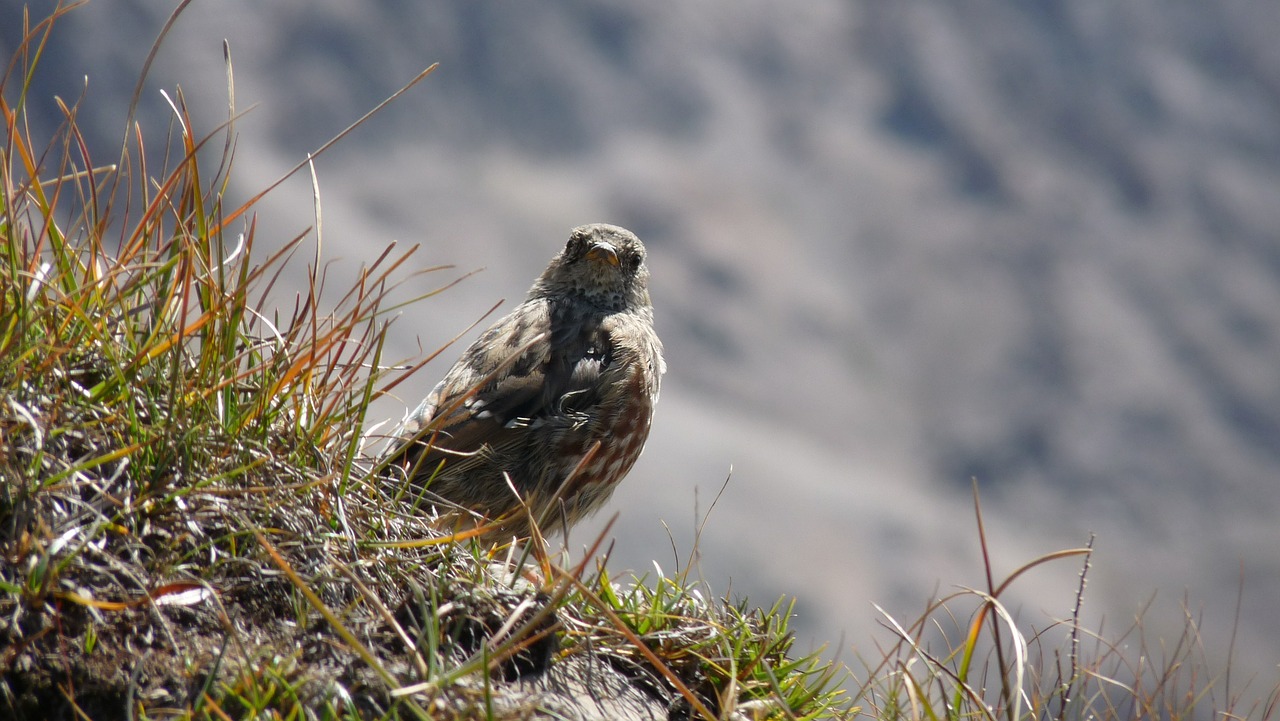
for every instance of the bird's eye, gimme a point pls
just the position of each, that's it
(577, 245)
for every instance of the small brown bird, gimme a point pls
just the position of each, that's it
(554, 401)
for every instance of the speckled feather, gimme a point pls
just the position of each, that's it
(578, 362)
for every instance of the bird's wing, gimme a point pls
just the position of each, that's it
(527, 367)
(501, 373)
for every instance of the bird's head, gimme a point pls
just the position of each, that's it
(603, 264)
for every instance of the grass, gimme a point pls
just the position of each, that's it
(968, 657)
(191, 526)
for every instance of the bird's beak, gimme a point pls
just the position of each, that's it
(605, 253)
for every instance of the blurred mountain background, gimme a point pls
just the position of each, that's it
(896, 246)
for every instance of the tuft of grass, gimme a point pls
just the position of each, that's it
(737, 655)
(969, 657)
(189, 525)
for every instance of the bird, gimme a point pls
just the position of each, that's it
(541, 418)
